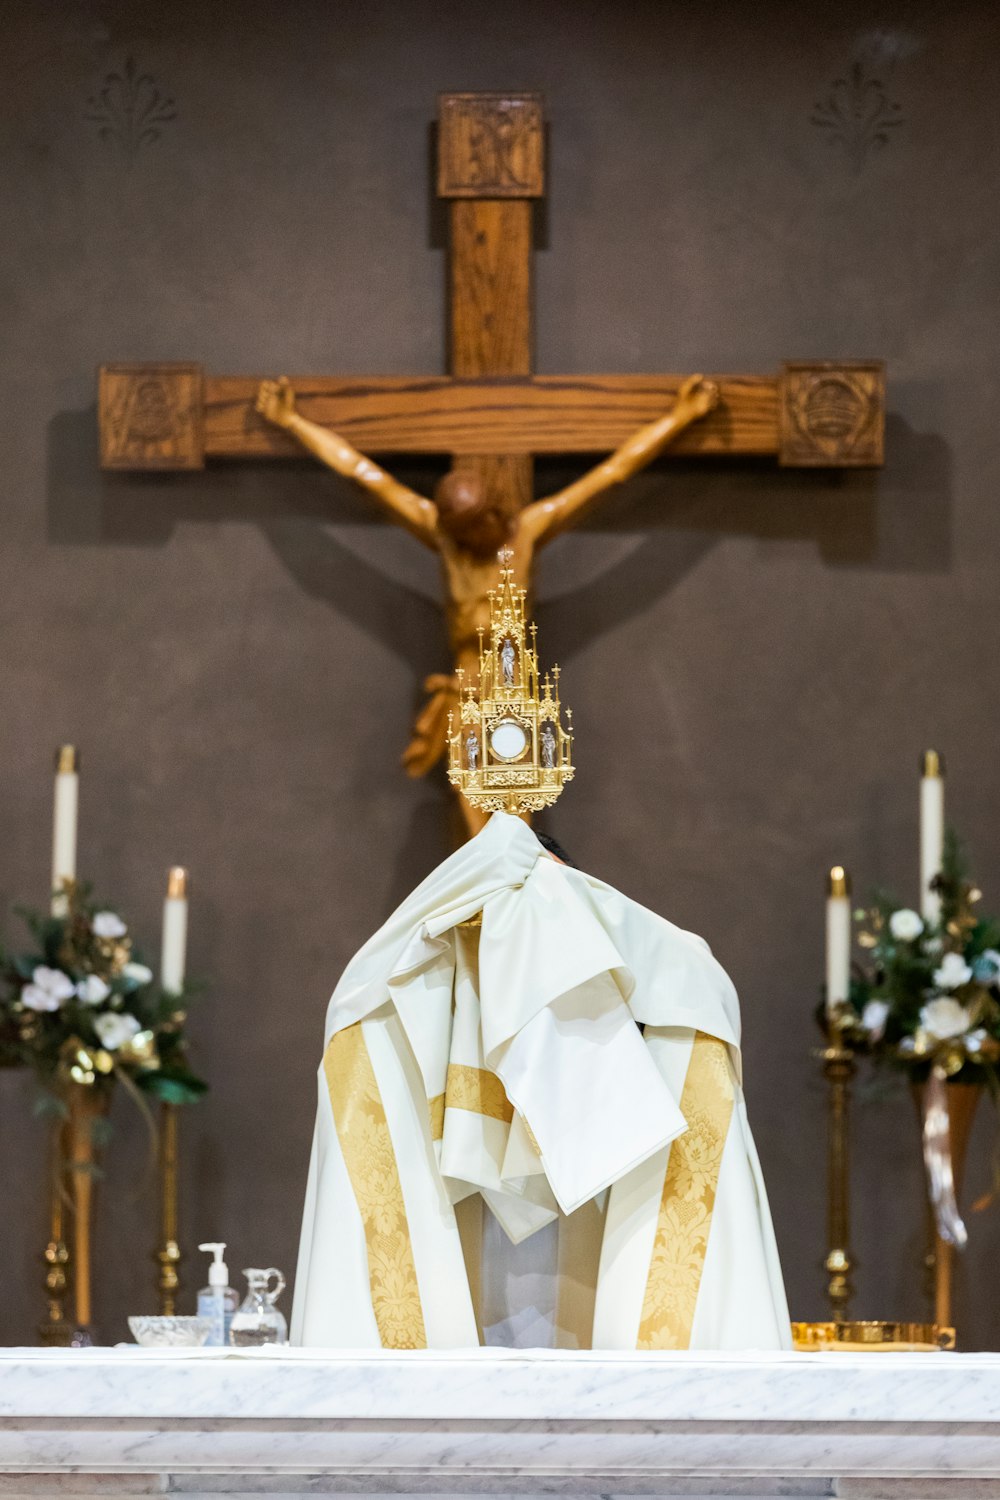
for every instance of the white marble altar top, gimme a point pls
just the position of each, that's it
(506, 1385)
(501, 1422)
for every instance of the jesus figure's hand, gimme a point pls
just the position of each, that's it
(697, 397)
(276, 401)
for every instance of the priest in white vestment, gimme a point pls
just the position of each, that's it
(521, 1031)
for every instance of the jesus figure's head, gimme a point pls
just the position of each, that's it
(477, 520)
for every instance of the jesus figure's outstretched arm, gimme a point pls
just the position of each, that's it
(544, 519)
(276, 402)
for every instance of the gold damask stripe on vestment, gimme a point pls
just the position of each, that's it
(687, 1202)
(366, 1144)
(477, 1090)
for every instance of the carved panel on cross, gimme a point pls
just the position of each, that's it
(490, 146)
(832, 415)
(150, 416)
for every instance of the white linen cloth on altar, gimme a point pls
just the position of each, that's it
(485, 1040)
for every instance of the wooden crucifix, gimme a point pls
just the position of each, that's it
(490, 412)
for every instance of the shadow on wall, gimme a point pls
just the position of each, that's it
(895, 520)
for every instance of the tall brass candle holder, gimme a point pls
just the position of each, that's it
(168, 1254)
(73, 1167)
(838, 1069)
(56, 1330)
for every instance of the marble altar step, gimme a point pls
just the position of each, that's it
(123, 1422)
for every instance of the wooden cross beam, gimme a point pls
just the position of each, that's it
(491, 411)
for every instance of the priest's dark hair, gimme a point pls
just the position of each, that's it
(553, 847)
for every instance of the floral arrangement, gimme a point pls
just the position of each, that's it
(929, 998)
(81, 1007)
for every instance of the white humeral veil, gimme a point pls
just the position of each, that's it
(485, 1040)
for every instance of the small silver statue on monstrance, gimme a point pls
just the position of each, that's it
(507, 662)
(548, 747)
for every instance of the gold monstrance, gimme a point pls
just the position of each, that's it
(509, 751)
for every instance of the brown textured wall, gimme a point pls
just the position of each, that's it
(754, 658)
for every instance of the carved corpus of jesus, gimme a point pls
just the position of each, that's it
(467, 526)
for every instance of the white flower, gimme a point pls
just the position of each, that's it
(115, 1030)
(933, 945)
(944, 1018)
(874, 1017)
(138, 973)
(48, 990)
(954, 971)
(906, 925)
(93, 990)
(37, 999)
(975, 1039)
(107, 924)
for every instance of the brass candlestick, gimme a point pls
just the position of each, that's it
(56, 1331)
(838, 1068)
(168, 1253)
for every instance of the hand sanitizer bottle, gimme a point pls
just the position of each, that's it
(217, 1301)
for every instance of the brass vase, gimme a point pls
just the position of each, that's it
(87, 1106)
(963, 1100)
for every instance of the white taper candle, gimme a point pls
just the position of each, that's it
(931, 832)
(67, 796)
(173, 953)
(838, 939)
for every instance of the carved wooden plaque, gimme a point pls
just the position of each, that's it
(832, 415)
(490, 146)
(151, 416)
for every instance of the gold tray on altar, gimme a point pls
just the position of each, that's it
(872, 1337)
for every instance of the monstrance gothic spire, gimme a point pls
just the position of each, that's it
(509, 750)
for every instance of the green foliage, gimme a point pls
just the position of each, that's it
(174, 1087)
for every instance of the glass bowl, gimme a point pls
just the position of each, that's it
(170, 1333)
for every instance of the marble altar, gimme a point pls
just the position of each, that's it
(124, 1422)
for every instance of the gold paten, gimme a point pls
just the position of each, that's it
(872, 1337)
(509, 751)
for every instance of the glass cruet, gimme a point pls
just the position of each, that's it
(257, 1320)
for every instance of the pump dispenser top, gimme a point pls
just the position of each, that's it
(218, 1271)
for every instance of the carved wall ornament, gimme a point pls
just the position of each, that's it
(130, 110)
(151, 416)
(832, 414)
(490, 146)
(857, 115)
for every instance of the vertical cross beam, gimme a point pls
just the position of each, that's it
(490, 167)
